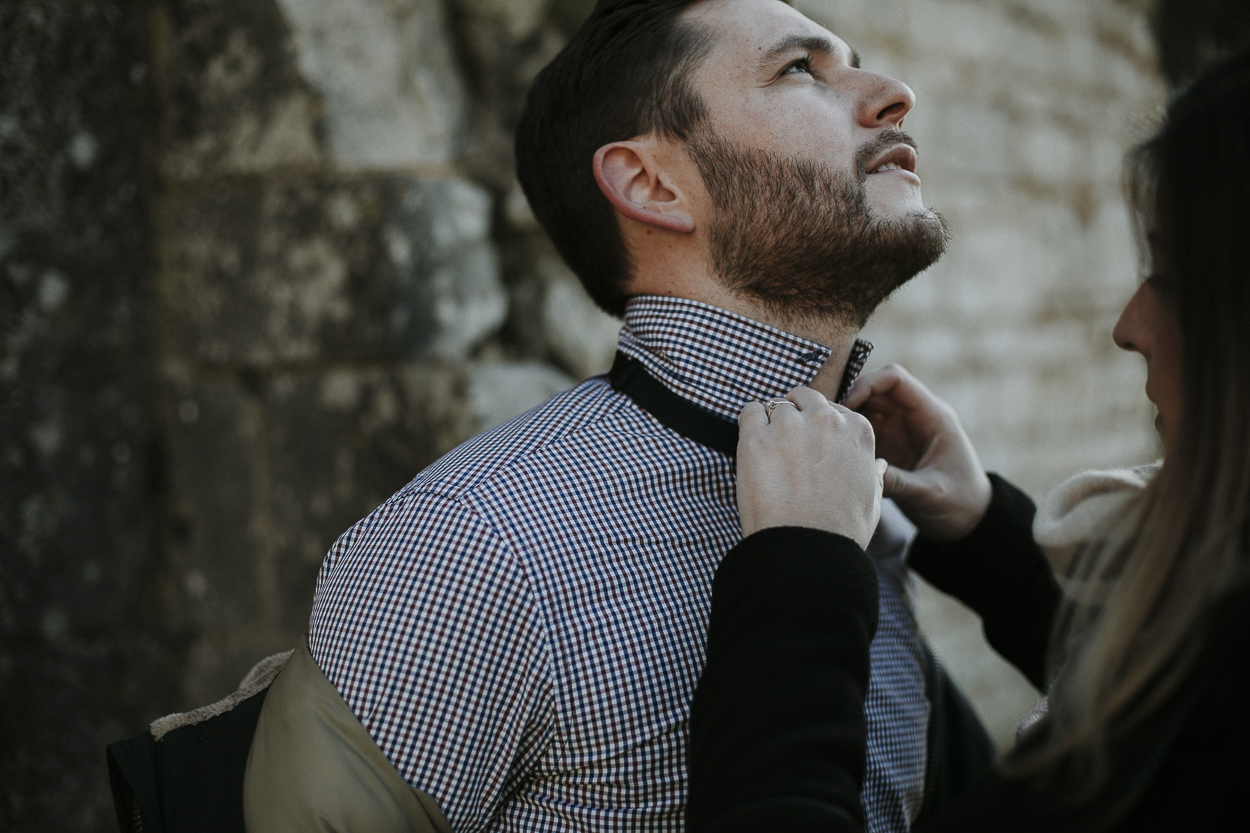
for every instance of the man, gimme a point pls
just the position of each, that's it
(519, 630)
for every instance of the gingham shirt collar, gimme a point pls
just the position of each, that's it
(718, 359)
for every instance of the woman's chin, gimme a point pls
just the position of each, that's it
(1161, 427)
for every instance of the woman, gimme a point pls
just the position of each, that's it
(1147, 648)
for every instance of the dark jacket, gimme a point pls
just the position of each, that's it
(777, 725)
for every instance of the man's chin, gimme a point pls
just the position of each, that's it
(894, 193)
(899, 208)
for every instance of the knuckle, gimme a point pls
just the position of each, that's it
(860, 424)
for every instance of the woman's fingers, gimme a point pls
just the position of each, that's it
(804, 397)
(811, 465)
(875, 383)
(752, 417)
(897, 484)
(934, 475)
(894, 389)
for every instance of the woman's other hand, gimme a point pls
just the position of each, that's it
(811, 464)
(934, 474)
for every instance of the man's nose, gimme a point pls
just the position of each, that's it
(885, 101)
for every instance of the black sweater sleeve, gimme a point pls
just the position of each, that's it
(777, 726)
(1000, 572)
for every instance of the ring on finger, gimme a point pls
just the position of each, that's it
(773, 404)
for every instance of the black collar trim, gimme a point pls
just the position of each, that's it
(628, 376)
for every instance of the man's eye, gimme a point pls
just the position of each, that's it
(803, 65)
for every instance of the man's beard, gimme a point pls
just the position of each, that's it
(801, 239)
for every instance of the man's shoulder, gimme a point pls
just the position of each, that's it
(572, 423)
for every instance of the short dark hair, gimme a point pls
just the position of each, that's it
(625, 73)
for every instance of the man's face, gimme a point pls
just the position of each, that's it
(815, 206)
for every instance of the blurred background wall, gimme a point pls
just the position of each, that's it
(263, 260)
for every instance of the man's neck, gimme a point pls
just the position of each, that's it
(838, 336)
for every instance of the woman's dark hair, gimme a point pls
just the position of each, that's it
(1128, 646)
(625, 73)
(1190, 185)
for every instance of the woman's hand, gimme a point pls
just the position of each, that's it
(934, 474)
(810, 465)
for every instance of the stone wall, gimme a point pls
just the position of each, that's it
(346, 283)
(84, 655)
(263, 260)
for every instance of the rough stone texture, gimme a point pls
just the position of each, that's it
(341, 443)
(315, 308)
(503, 47)
(499, 390)
(233, 100)
(216, 481)
(385, 69)
(581, 336)
(84, 654)
(305, 454)
(344, 269)
(552, 317)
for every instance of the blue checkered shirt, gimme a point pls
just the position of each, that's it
(521, 627)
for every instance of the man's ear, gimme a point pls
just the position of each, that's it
(632, 178)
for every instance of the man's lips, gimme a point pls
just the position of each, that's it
(899, 157)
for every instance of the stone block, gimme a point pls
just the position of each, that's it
(848, 19)
(85, 656)
(235, 101)
(579, 334)
(518, 18)
(387, 77)
(438, 238)
(60, 704)
(960, 31)
(370, 269)
(217, 529)
(976, 137)
(75, 394)
(500, 390)
(503, 46)
(218, 660)
(340, 443)
(76, 513)
(1052, 155)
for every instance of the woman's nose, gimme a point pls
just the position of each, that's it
(1130, 332)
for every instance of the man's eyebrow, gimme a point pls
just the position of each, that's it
(818, 44)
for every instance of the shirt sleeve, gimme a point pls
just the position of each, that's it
(426, 625)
